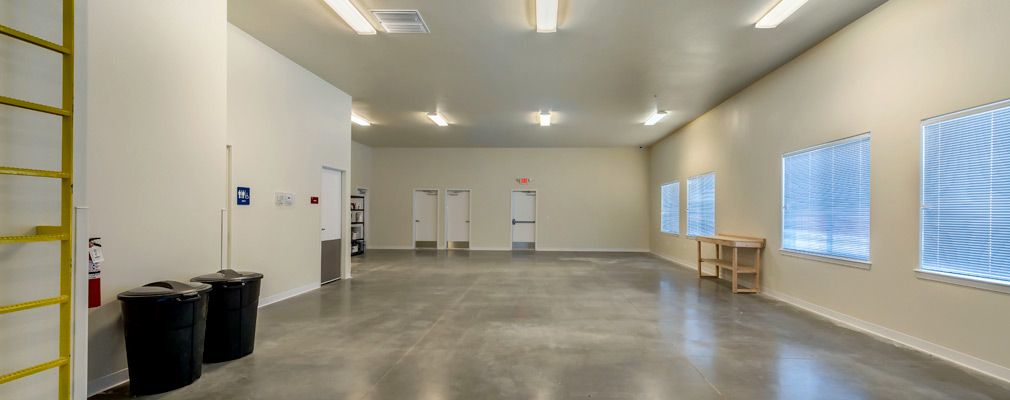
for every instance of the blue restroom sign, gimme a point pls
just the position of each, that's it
(242, 196)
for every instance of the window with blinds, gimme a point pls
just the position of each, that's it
(965, 207)
(701, 205)
(826, 199)
(669, 213)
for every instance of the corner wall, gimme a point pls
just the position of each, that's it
(284, 125)
(588, 199)
(361, 177)
(906, 61)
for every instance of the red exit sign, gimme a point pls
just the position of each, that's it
(523, 181)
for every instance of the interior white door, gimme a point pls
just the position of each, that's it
(330, 200)
(426, 218)
(457, 219)
(524, 220)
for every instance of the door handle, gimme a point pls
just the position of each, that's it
(417, 220)
(513, 221)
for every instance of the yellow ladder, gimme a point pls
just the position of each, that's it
(52, 233)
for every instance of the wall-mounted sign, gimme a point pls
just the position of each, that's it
(523, 181)
(242, 196)
(314, 200)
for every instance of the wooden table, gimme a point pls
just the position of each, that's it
(736, 243)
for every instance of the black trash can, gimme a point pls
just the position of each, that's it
(231, 321)
(164, 323)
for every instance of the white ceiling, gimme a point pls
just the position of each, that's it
(489, 73)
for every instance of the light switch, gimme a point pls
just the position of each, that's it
(279, 198)
(289, 198)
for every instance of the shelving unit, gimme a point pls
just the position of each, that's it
(736, 243)
(357, 225)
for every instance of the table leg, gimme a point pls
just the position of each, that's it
(735, 254)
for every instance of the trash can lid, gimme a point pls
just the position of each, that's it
(229, 275)
(165, 290)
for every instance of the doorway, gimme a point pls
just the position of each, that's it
(457, 218)
(331, 212)
(524, 220)
(425, 218)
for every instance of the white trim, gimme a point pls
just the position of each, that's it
(108, 382)
(413, 217)
(966, 112)
(594, 250)
(490, 249)
(288, 294)
(832, 143)
(390, 248)
(828, 259)
(682, 263)
(956, 357)
(970, 281)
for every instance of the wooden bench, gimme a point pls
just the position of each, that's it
(736, 243)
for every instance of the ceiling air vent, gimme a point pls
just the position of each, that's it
(401, 21)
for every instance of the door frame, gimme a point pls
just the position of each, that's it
(345, 221)
(469, 215)
(413, 219)
(536, 211)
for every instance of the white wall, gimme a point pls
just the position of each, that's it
(904, 62)
(284, 125)
(587, 198)
(156, 127)
(29, 139)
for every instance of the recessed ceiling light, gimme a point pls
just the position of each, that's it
(545, 118)
(351, 16)
(438, 119)
(656, 116)
(547, 16)
(779, 13)
(360, 121)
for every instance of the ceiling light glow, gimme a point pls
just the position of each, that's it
(779, 13)
(655, 117)
(547, 16)
(438, 119)
(351, 16)
(545, 118)
(360, 121)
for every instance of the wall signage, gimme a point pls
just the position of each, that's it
(242, 196)
(523, 181)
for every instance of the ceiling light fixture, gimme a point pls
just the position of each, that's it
(545, 118)
(547, 16)
(351, 16)
(438, 119)
(655, 117)
(360, 121)
(779, 13)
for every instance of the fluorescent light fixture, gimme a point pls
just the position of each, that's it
(779, 13)
(351, 16)
(547, 16)
(360, 121)
(545, 118)
(656, 116)
(437, 119)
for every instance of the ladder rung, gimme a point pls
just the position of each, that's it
(33, 106)
(34, 370)
(33, 172)
(33, 238)
(33, 304)
(14, 33)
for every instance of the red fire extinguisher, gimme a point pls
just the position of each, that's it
(95, 259)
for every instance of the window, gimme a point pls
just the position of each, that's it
(701, 205)
(966, 194)
(669, 213)
(826, 199)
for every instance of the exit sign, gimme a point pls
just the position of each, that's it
(523, 181)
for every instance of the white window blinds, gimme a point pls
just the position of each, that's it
(826, 199)
(966, 193)
(669, 213)
(701, 205)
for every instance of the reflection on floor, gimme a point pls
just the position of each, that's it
(501, 325)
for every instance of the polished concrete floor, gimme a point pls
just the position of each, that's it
(500, 325)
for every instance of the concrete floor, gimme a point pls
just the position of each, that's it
(500, 325)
